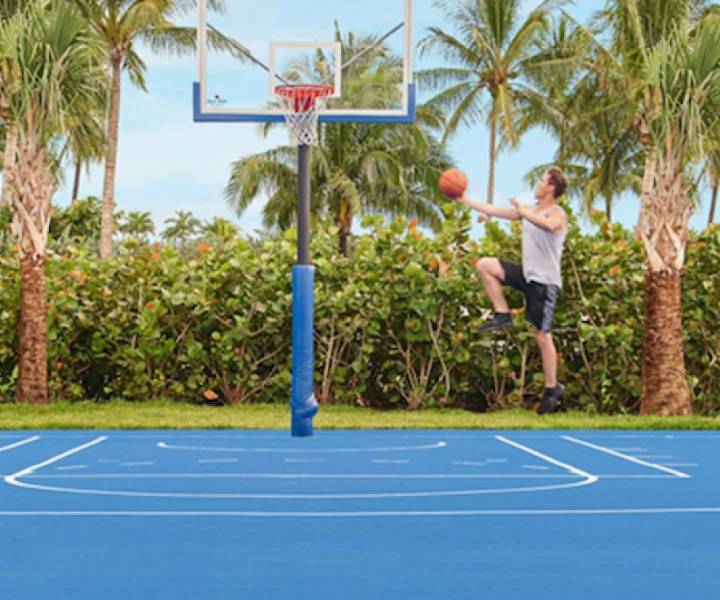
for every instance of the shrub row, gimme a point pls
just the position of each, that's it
(395, 322)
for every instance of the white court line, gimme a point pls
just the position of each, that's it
(13, 479)
(20, 443)
(327, 476)
(301, 450)
(666, 457)
(344, 515)
(574, 470)
(626, 457)
(28, 473)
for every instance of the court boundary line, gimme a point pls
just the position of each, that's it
(372, 514)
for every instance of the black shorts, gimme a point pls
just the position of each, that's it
(540, 299)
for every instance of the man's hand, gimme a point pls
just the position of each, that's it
(517, 206)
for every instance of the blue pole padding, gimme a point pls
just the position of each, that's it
(303, 404)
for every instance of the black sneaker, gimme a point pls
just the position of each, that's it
(550, 399)
(499, 321)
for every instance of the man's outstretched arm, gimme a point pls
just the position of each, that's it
(489, 209)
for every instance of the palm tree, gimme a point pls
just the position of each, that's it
(356, 167)
(488, 55)
(598, 151)
(122, 24)
(87, 145)
(643, 33)
(181, 227)
(7, 9)
(138, 224)
(713, 174)
(682, 76)
(52, 73)
(219, 232)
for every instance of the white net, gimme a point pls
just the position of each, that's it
(302, 105)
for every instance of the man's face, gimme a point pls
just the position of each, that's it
(544, 188)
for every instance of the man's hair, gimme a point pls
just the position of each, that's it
(558, 180)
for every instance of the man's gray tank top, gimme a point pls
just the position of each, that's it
(542, 252)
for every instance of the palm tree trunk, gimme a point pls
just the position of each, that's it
(32, 384)
(108, 208)
(343, 221)
(493, 153)
(78, 175)
(664, 387)
(713, 203)
(608, 208)
(663, 228)
(33, 185)
(8, 163)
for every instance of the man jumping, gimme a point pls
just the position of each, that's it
(538, 277)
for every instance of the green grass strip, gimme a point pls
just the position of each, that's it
(169, 415)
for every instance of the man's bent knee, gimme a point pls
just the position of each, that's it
(490, 266)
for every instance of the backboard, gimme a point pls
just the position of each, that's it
(362, 48)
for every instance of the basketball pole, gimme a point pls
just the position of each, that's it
(303, 404)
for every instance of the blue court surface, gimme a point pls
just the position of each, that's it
(360, 515)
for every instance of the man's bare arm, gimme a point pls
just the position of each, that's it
(555, 222)
(489, 209)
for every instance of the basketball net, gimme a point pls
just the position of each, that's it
(302, 104)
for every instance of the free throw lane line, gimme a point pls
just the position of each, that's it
(574, 470)
(20, 443)
(638, 461)
(13, 479)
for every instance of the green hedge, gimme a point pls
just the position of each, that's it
(395, 323)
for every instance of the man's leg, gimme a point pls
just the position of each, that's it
(553, 389)
(548, 353)
(492, 275)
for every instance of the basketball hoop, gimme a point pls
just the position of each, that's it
(302, 104)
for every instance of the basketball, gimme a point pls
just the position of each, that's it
(453, 183)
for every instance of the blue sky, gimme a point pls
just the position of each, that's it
(167, 163)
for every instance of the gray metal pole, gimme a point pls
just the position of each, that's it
(303, 244)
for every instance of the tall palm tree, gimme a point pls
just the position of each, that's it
(598, 151)
(87, 144)
(682, 76)
(641, 34)
(123, 24)
(488, 55)
(7, 9)
(52, 73)
(713, 174)
(386, 168)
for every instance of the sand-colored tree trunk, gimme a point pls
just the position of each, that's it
(33, 187)
(493, 161)
(107, 228)
(713, 203)
(663, 227)
(8, 164)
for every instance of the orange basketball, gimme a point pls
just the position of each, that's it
(453, 183)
